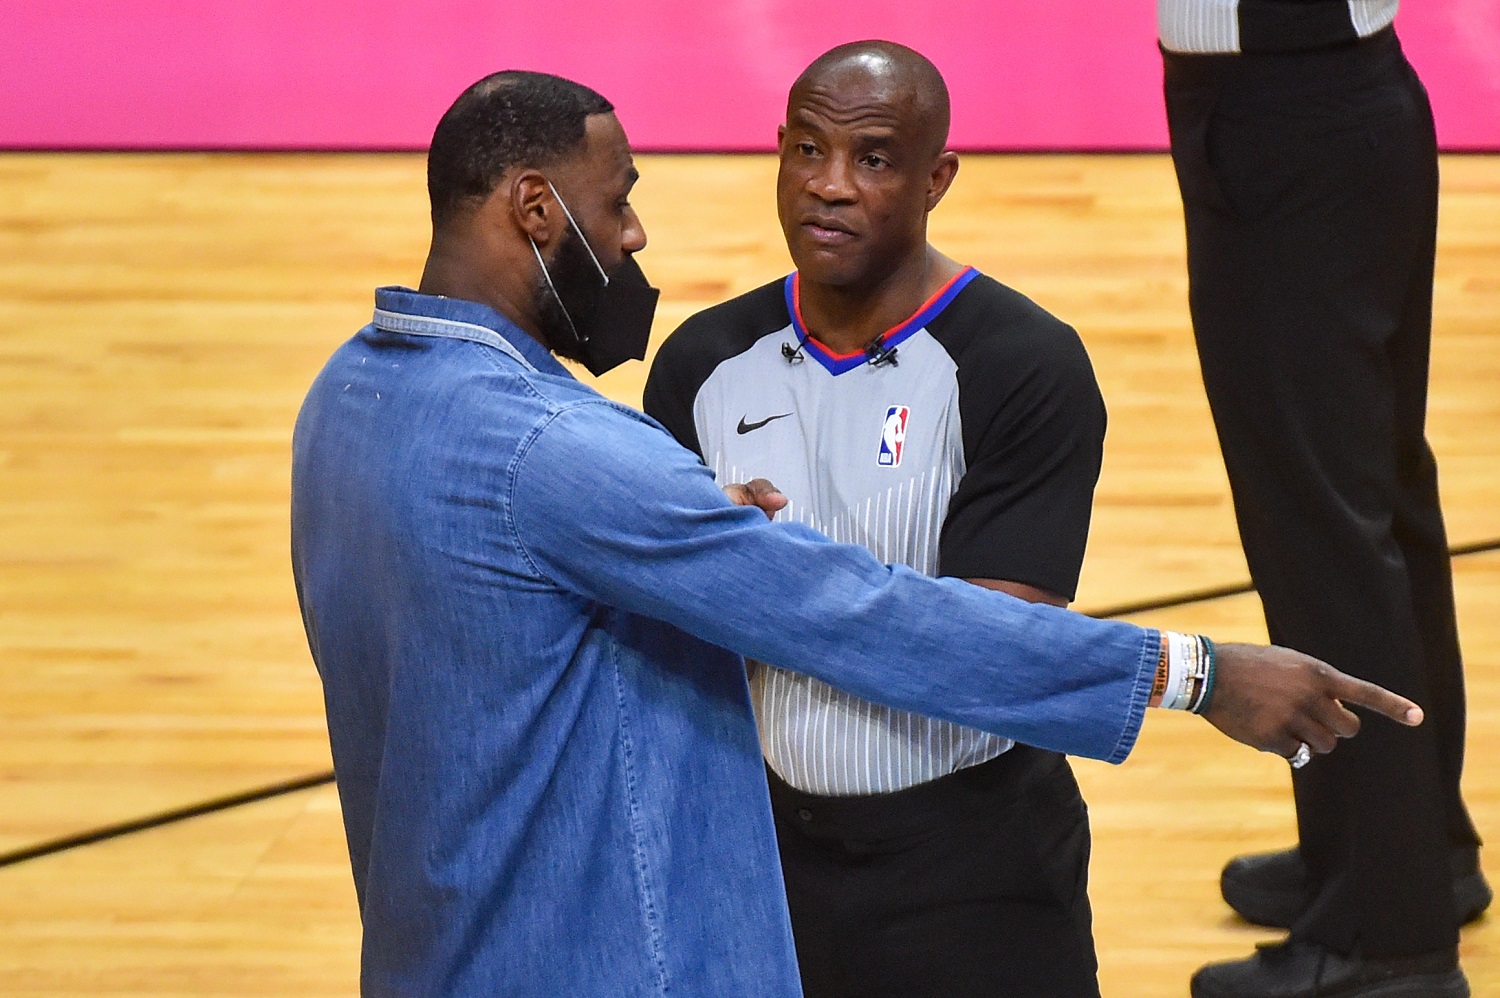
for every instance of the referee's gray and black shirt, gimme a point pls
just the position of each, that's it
(971, 450)
(1252, 26)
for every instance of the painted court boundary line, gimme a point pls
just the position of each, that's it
(1241, 588)
(217, 804)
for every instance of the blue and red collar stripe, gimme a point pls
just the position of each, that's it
(838, 363)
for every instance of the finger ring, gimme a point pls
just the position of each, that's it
(1302, 756)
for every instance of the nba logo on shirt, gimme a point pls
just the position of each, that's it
(893, 436)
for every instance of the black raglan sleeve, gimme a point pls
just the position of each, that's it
(676, 375)
(689, 356)
(1033, 436)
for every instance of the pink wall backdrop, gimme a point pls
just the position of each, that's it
(685, 74)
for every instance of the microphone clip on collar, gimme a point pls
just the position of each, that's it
(877, 353)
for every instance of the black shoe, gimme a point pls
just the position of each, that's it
(1270, 888)
(1298, 969)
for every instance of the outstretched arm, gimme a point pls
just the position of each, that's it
(677, 550)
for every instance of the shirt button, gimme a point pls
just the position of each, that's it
(805, 814)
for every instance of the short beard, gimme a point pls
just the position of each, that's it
(579, 289)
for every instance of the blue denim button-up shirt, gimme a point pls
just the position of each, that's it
(519, 597)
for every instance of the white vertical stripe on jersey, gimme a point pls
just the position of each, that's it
(1198, 25)
(807, 726)
(1209, 26)
(1369, 16)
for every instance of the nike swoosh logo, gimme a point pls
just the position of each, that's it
(745, 427)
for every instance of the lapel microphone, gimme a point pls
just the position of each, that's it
(877, 353)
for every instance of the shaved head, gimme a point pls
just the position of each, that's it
(862, 163)
(906, 80)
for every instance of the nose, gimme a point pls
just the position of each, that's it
(633, 235)
(832, 181)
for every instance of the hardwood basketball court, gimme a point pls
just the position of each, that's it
(161, 317)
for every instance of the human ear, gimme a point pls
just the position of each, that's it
(941, 178)
(533, 206)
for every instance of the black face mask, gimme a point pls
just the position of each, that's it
(615, 324)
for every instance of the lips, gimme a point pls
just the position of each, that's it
(826, 229)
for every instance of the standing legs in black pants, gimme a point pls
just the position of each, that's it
(1309, 185)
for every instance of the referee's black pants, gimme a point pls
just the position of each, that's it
(974, 885)
(1309, 184)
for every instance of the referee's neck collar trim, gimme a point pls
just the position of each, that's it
(838, 363)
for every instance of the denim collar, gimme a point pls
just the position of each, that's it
(402, 310)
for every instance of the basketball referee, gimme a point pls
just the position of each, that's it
(1306, 155)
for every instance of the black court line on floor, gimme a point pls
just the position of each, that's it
(107, 832)
(1241, 588)
(124, 828)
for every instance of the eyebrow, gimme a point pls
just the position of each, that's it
(877, 135)
(871, 133)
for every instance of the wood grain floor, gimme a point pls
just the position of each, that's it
(160, 318)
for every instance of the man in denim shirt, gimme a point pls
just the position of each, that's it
(528, 606)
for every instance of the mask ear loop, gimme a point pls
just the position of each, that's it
(553, 288)
(578, 229)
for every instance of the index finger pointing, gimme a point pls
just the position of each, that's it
(1376, 698)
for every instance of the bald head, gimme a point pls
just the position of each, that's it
(862, 163)
(904, 80)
